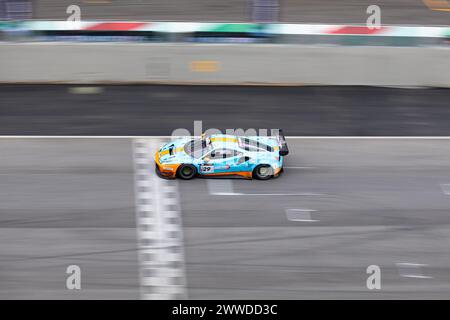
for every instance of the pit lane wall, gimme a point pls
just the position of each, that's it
(224, 64)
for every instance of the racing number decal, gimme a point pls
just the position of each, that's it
(206, 169)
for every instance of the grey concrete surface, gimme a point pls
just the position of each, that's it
(379, 201)
(381, 204)
(62, 203)
(159, 110)
(306, 11)
(232, 64)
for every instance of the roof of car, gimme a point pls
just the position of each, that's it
(232, 141)
(223, 139)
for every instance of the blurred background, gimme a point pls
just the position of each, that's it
(428, 12)
(89, 90)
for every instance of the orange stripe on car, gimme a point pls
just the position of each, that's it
(164, 152)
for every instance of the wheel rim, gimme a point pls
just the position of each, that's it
(186, 171)
(264, 171)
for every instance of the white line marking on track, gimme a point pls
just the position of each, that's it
(304, 194)
(223, 187)
(220, 187)
(306, 168)
(300, 215)
(411, 270)
(170, 137)
(445, 188)
(85, 90)
(411, 264)
(159, 230)
(416, 276)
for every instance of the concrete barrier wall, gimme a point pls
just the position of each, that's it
(223, 64)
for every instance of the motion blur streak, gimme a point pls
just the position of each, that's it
(158, 110)
(64, 203)
(70, 201)
(315, 11)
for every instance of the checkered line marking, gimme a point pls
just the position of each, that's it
(159, 228)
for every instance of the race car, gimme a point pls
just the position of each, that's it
(223, 155)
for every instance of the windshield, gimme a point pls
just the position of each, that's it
(196, 148)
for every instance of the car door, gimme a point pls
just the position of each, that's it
(218, 162)
(242, 163)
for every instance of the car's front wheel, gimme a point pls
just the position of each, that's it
(263, 172)
(187, 171)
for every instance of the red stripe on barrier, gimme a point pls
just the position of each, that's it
(116, 26)
(356, 30)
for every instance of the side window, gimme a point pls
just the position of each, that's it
(254, 145)
(216, 154)
(250, 148)
(230, 153)
(236, 153)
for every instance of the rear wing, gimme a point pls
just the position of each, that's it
(284, 150)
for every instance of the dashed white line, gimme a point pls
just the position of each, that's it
(220, 187)
(223, 187)
(416, 276)
(445, 188)
(411, 264)
(302, 194)
(300, 215)
(411, 270)
(85, 90)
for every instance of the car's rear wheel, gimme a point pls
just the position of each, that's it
(263, 172)
(187, 171)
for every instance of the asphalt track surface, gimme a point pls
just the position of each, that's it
(377, 201)
(159, 110)
(299, 11)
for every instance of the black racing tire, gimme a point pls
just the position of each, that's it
(263, 172)
(186, 171)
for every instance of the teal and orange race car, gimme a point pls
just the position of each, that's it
(259, 157)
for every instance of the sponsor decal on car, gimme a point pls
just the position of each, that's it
(206, 169)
